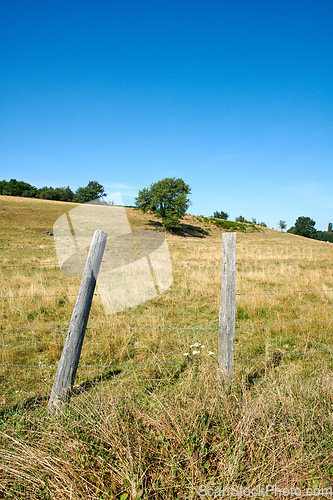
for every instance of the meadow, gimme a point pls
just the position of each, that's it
(145, 421)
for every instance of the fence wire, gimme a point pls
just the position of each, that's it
(204, 294)
(177, 263)
(287, 291)
(269, 325)
(184, 263)
(113, 294)
(113, 365)
(281, 354)
(289, 263)
(168, 328)
(159, 363)
(128, 328)
(219, 242)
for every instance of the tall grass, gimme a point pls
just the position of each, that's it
(158, 424)
(164, 434)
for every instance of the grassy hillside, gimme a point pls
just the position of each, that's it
(156, 424)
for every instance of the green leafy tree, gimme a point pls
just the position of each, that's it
(91, 192)
(325, 236)
(304, 226)
(167, 199)
(329, 229)
(20, 188)
(66, 194)
(282, 225)
(17, 188)
(240, 218)
(46, 193)
(58, 194)
(221, 215)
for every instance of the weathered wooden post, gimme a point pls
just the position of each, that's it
(65, 376)
(227, 307)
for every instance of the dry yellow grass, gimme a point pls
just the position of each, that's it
(161, 430)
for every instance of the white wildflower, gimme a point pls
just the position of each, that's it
(196, 352)
(202, 347)
(186, 353)
(210, 353)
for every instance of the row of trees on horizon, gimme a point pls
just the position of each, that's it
(168, 199)
(85, 194)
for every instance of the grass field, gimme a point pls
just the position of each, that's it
(157, 425)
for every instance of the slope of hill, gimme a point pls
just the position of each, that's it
(146, 421)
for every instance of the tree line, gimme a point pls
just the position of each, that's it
(305, 226)
(85, 194)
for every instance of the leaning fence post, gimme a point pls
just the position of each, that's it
(65, 376)
(227, 307)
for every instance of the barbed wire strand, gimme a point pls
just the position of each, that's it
(205, 294)
(115, 365)
(319, 244)
(302, 263)
(129, 328)
(300, 353)
(166, 328)
(244, 242)
(45, 265)
(109, 294)
(269, 325)
(287, 291)
(133, 329)
(184, 263)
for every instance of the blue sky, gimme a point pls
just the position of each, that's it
(236, 98)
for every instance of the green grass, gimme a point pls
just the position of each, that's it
(228, 225)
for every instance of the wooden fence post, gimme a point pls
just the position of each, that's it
(227, 311)
(65, 376)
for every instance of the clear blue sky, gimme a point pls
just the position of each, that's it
(236, 98)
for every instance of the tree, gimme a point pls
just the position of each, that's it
(304, 226)
(20, 188)
(91, 192)
(68, 194)
(282, 225)
(329, 229)
(46, 193)
(17, 188)
(221, 215)
(57, 194)
(325, 236)
(167, 199)
(240, 218)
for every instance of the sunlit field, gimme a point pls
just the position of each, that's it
(145, 421)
